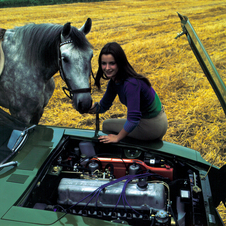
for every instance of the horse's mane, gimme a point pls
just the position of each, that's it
(40, 42)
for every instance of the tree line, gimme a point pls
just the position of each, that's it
(21, 3)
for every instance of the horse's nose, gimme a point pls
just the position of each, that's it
(82, 102)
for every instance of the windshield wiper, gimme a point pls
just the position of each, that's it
(12, 163)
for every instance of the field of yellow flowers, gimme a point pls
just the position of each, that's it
(146, 30)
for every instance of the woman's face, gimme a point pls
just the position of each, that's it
(109, 66)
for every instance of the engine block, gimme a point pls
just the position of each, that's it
(79, 191)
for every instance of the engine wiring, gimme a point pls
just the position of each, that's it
(127, 179)
(97, 192)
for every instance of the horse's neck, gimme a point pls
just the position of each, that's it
(11, 47)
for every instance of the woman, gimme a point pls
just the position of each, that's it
(146, 119)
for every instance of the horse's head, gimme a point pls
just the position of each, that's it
(75, 64)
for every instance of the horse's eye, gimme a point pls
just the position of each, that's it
(65, 59)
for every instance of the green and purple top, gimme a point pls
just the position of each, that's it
(141, 100)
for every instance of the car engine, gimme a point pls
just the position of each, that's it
(130, 188)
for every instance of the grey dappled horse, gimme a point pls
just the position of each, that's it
(33, 54)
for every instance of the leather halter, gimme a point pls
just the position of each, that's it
(62, 74)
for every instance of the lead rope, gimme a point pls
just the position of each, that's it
(97, 125)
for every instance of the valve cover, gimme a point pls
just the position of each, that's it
(73, 191)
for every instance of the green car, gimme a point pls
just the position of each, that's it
(63, 176)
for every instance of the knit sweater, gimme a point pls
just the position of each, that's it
(141, 100)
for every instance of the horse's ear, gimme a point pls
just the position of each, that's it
(66, 30)
(86, 27)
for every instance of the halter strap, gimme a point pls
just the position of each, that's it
(69, 90)
(67, 42)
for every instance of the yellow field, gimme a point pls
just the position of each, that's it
(146, 30)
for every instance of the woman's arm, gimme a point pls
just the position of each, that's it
(112, 138)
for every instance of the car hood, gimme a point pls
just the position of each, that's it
(204, 60)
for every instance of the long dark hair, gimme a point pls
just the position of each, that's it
(125, 70)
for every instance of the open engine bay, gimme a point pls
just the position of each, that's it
(118, 184)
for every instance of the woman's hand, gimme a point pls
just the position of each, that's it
(111, 138)
(94, 108)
